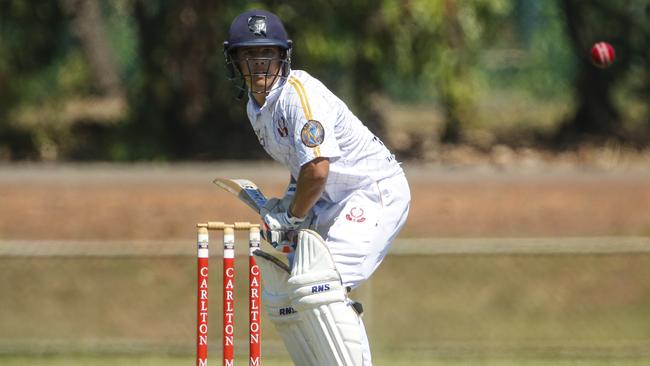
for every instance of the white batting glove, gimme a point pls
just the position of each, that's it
(279, 204)
(280, 229)
(282, 221)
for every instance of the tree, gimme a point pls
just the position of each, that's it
(624, 24)
(32, 37)
(418, 47)
(88, 26)
(184, 107)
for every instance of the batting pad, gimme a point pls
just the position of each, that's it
(286, 319)
(316, 293)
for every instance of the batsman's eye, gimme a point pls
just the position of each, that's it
(269, 52)
(259, 53)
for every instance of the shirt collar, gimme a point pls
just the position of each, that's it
(271, 98)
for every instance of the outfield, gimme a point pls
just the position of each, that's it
(392, 361)
(99, 271)
(447, 306)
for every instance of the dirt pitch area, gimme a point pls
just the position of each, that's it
(104, 202)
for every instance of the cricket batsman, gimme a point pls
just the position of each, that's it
(347, 198)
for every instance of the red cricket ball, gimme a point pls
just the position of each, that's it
(602, 54)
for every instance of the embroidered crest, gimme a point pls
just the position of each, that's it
(355, 215)
(257, 25)
(312, 133)
(282, 127)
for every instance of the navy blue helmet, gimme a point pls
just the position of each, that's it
(256, 28)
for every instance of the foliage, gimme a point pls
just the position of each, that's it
(451, 55)
(413, 50)
(625, 25)
(31, 41)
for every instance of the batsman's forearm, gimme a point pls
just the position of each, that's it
(310, 186)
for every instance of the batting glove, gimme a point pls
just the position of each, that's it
(279, 204)
(280, 230)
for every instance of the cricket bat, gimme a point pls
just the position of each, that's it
(245, 190)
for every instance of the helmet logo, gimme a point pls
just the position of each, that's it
(257, 25)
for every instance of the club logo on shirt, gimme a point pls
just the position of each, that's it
(312, 133)
(355, 215)
(282, 127)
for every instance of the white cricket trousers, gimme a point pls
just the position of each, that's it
(360, 229)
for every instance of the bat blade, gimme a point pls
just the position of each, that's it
(245, 190)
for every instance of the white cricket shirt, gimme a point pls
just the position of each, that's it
(302, 120)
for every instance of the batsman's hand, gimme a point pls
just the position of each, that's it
(279, 204)
(280, 229)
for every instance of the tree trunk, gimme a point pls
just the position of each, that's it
(88, 26)
(596, 118)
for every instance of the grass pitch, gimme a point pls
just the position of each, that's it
(378, 361)
(488, 310)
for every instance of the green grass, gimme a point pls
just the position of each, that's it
(465, 308)
(392, 361)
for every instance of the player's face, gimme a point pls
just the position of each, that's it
(260, 67)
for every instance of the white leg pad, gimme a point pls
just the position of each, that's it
(286, 319)
(317, 294)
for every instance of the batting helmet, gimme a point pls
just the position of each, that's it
(256, 28)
